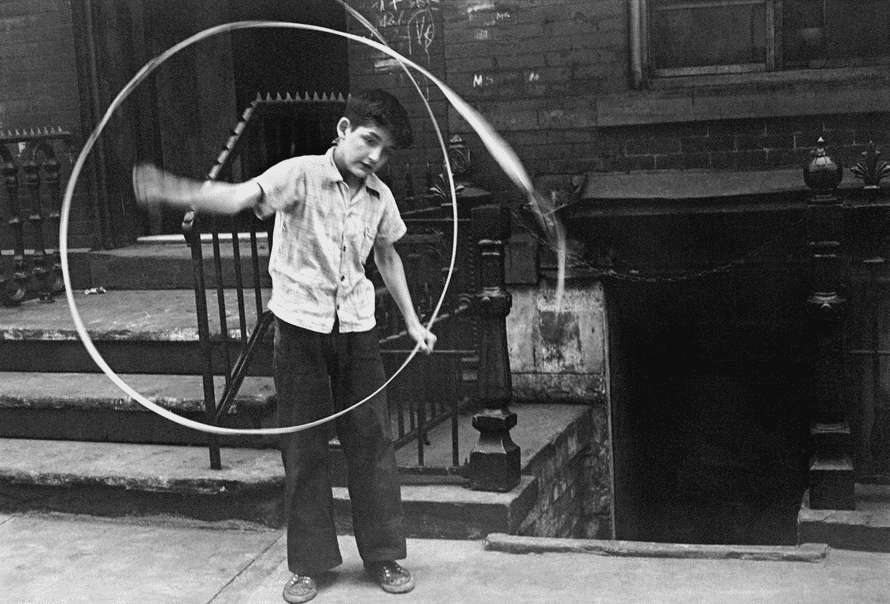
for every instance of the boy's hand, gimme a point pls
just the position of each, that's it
(153, 186)
(424, 337)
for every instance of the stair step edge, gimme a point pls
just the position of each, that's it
(22, 390)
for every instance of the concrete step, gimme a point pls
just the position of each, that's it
(74, 406)
(153, 263)
(136, 331)
(158, 481)
(866, 528)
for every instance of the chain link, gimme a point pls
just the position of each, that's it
(633, 275)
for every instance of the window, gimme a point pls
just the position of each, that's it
(716, 36)
(835, 32)
(689, 37)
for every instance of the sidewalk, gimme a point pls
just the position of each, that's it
(72, 559)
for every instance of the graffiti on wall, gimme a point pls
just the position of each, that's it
(410, 25)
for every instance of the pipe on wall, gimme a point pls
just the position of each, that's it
(635, 10)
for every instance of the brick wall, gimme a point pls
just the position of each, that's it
(414, 28)
(38, 79)
(546, 73)
(534, 69)
(574, 483)
(39, 87)
(741, 144)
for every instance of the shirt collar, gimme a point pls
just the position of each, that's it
(372, 182)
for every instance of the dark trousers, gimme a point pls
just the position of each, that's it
(314, 374)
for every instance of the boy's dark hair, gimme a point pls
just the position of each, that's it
(382, 109)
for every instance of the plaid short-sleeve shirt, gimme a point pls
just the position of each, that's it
(321, 241)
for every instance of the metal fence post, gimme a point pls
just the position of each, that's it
(831, 478)
(495, 461)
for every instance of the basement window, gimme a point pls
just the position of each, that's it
(692, 37)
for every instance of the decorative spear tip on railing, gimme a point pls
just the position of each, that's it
(296, 97)
(871, 170)
(10, 135)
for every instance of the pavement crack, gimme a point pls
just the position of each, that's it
(219, 595)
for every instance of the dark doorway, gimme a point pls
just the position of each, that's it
(709, 395)
(282, 61)
(182, 115)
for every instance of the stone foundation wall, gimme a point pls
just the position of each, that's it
(574, 483)
(558, 350)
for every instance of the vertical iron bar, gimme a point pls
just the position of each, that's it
(255, 265)
(204, 336)
(239, 284)
(221, 300)
(14, 291)
(876, 395)
(40, 264)
(51, 166)
(456, 370)
(418, 396)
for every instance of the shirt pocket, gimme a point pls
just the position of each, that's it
(367, 242)
(359, 237)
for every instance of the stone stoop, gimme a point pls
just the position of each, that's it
(867, 528)
(90, 407)
(72, 442)
(160, 482)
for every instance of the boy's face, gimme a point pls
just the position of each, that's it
(361, 150)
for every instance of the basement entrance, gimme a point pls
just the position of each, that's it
(709, 396)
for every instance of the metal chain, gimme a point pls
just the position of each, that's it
(633, 275)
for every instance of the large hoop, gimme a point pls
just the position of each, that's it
(65, 213)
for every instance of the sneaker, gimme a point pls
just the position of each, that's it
(299, 588)
(391, 577)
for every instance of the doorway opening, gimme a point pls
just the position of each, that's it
(709, 401)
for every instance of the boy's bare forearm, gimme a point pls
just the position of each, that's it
(153, 186)
(393, 273)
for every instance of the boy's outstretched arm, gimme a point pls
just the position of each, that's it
(154, 186)
(390, 266)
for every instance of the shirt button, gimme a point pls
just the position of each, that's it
(342, 277)
(344, 248)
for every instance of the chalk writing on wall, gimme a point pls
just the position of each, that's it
(411, 23)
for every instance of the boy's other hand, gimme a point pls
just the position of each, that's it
(153, 186)
(424, 337)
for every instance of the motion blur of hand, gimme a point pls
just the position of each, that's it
(153, 186)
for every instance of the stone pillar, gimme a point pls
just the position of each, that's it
(831, 479)
(495, 461)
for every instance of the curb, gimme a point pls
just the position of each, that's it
(513, 544)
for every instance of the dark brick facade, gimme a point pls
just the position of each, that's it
(742, 144)
(39, 88)
(38, 81)
(549, 76)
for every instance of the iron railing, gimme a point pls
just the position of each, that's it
(31, 169)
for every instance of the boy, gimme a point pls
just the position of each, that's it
(330, 211)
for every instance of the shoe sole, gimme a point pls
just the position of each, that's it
(398, 589)
(299, 599)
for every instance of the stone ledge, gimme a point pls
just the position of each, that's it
(133, 467)
(180, 393)
(867, 528)
(810, 552)
(453, 512)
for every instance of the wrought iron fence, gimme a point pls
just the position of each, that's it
(30, 163)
